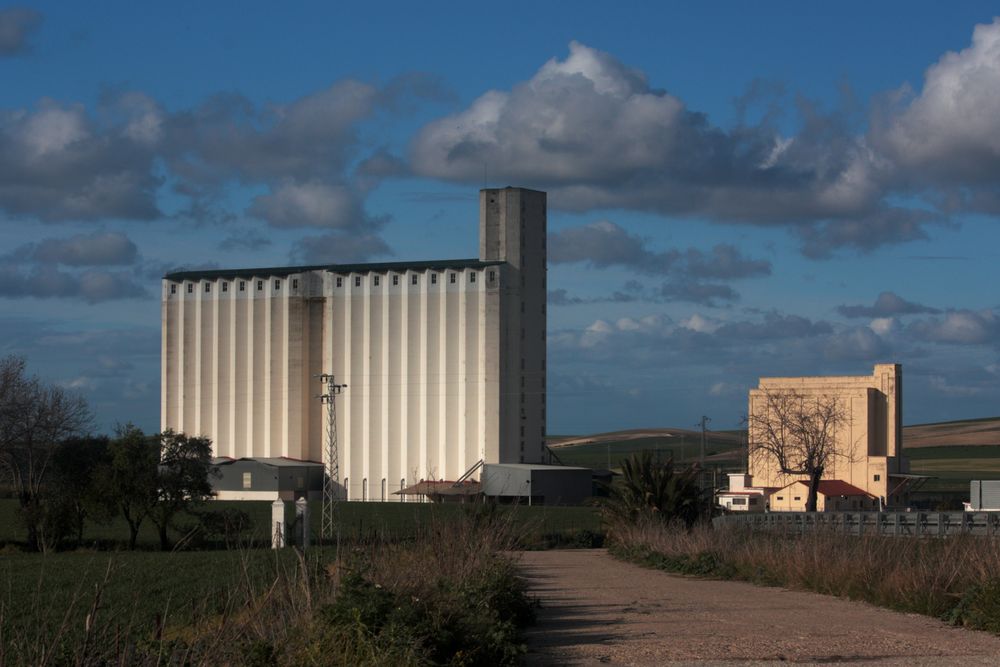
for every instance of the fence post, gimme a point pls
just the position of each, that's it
(302, 521)
(278, 537)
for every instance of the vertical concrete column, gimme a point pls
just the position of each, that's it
(165, 335)
(302, 522)
(278, 536)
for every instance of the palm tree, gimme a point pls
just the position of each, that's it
(651, 490)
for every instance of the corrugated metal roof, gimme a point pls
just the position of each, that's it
(377, 267)
(277, 462)
(835, 487)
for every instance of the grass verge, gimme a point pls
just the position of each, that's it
(956, 579)
(449, 595)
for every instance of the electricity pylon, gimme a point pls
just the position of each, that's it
(331, 474)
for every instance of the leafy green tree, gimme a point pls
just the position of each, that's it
(74, 485)
(130, 478)
(652, 490)
(34, 418)
(182, 479)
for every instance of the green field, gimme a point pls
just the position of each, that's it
(356, 520)
(50, 595)
(148, 592)
(953, 467)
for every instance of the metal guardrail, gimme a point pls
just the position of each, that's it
(892, 524)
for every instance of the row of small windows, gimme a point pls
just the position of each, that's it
(414, 279)
(376, 281)
(242, 284)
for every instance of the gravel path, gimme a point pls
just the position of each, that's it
(598, 610)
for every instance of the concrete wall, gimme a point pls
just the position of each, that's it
(512, 229)
(445, 365)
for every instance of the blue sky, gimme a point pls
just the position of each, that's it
(736, 189)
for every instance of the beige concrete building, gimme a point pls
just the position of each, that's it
(832, 495)
(444, 360)
(868, 443)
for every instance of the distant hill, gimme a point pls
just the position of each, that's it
(969, 432)
(725, 445)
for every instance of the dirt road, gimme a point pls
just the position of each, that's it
(597, 610)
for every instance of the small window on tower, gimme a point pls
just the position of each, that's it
(376, 281)
(190, 288)
(173, 289)
(208, 287)
(395, 280)
(472, 277)
(295, 283)
(434, 279)
(340, 282)
(225, 287)
(243, 286)
(413, 279)
(260, 285)
(277, 284)
(357, 281)
(493, 276)
(878, 477)
(451, 278)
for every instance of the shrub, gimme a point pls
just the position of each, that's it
(953, 578)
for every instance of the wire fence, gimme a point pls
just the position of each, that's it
(893, 524)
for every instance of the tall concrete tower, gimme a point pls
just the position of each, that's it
(512, 229)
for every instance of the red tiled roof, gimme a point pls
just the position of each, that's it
(835, 487)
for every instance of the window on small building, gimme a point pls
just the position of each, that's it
(340, 282)
(190, 288)
(243, 285)
(248, 480)
(878, 477)
(260, 285)
(451, 278)
(434, 279)
(395, 280)
(472, 277)
(225, 287)
(376, 281)
(797, 498)
(413, 279)
(295, 283)
(277, 284)
(208, 287)
(173, 289)
(780, 498)
(357, 281)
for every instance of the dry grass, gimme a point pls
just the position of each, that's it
(448, 596)
(950, 578)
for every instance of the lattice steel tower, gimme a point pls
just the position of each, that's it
(331, 474)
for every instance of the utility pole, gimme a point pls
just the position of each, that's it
(332, 468)
(701, 457)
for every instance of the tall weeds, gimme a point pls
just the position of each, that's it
(450, 595)
(956, 578)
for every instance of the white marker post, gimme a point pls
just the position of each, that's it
(278, 537)
(302, 521)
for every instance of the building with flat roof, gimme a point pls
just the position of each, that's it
(444, 360)
(866, 460)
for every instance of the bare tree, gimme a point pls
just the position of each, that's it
(798, 433)
(34, 418)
